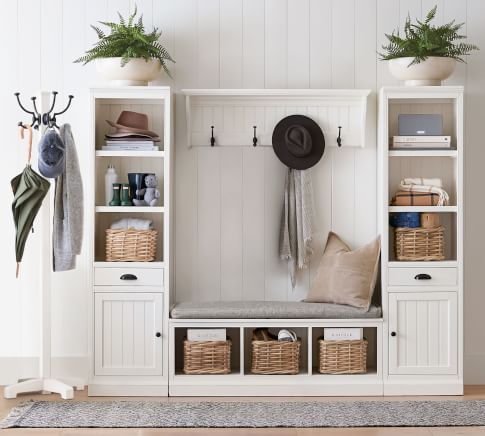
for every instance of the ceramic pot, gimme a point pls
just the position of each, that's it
(137, 71)
(429, 72)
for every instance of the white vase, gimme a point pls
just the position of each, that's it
(137, 71)
(429, 72)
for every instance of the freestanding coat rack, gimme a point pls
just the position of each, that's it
(44, 383)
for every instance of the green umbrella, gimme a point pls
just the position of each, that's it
(29, 189)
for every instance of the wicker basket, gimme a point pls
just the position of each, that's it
(275, 357)
(419, 243)
(131, 245)
(207, 357)
(343, 357)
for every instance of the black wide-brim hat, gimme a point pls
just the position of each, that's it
(298, 142)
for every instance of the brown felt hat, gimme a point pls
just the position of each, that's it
(298, 142)
(129, 123)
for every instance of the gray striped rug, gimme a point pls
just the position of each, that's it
(138, 414)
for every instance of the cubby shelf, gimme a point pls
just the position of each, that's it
(104, 264)
(105, 153)
(129, 209)
(437, 209)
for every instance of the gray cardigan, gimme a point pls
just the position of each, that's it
(67, 234)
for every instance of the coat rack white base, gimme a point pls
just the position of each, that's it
(45, 385)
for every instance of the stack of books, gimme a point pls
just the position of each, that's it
(131, 143)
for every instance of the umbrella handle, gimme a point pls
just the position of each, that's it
(28, 127)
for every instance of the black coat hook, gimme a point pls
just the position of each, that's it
(255, 138)
(339, 139)
(46, 119)
(213, 140)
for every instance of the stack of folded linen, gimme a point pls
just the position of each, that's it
(420, 191)
(132, 223)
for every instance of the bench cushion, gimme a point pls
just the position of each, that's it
(270, 310)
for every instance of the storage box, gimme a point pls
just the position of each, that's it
(343, 357)
(407, 198)
(430, 220)
(419, 244)
(207, 357)
(131, 245)
(275, 357)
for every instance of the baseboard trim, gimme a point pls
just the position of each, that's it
(420, 388)
(14, 368)
(102, 390)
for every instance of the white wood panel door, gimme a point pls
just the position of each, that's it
(423, 333)
(128, 333)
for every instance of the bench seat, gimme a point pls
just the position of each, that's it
(270, 310)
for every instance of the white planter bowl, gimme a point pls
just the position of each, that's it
(429, 72)
(137, 71)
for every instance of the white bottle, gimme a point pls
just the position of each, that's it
(110, 178)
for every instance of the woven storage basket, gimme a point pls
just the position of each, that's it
(275, 357)
(131, 245)
(420, 243)
(343, 357)
(207, 357)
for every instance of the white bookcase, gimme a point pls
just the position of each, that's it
(128, 322)
(423, 319)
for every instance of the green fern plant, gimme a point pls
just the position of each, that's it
(422, 40)
(127, 40)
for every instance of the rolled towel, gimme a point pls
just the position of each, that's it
(132, 223)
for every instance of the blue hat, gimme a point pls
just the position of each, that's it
(51, 155)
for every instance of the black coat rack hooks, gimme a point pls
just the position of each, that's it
(49, 118)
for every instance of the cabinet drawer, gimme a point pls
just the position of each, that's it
(128, 277)
(423, 276)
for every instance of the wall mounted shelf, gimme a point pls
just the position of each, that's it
(235, 112)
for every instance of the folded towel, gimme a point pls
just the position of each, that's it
(297, 221)
(412, 198)
(423, 181)
(433, 186)
(132, 223)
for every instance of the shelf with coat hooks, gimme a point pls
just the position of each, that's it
(247, 117)
(49, 118)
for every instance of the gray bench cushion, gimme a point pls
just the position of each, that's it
(270, 310)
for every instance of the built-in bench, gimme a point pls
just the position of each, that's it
(270, 310)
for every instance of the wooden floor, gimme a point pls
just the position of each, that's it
(471, 392)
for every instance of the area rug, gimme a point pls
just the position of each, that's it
(209, 414)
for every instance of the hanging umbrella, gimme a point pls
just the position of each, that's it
(29, 189)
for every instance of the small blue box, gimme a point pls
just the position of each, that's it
(405, 219)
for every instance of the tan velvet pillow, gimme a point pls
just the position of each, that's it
(345, 276)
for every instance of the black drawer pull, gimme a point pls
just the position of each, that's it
(422, 277)
(128, 277)
(393, 334)
(158, 334)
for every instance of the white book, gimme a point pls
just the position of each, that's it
(343, 334)
(206, 335)
(417, 138)
(421, 142)
(129, 148)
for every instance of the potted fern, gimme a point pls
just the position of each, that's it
(128, 55)
(426, 54)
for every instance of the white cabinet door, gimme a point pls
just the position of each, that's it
(128, 333)
(423, 333)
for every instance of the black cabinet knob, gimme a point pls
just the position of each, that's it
(158, 334)
(128, 277)
(422, 277)
(393, 334)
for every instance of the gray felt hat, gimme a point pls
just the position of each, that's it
(51, 155)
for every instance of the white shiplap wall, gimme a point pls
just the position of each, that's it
(227, 201)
